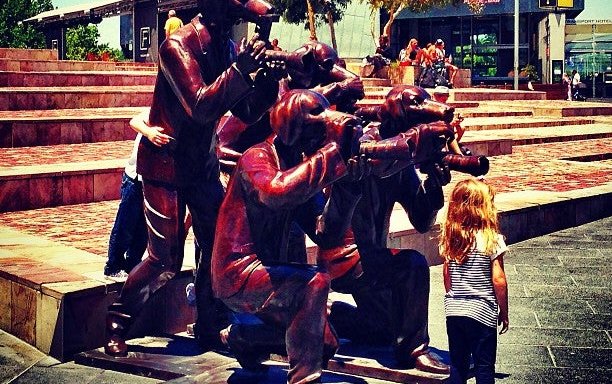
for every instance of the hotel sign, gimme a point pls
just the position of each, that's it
(556, 3)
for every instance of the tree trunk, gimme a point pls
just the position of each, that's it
(311, 21)
(332, 31)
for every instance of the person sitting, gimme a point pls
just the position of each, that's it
(384, 48)
(441, 94)
(275, 46)
(441, 59)
(412, 54)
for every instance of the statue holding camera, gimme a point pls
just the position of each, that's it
(391, 286)
(198, 82)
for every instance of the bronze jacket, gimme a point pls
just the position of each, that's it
(262, 199)
(196, 84)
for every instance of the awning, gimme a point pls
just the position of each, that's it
(85, 11)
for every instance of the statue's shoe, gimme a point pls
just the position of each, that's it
(116, 346)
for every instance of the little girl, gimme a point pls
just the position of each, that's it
(474, 279)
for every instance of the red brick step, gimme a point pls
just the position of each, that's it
(66, 126)
(76, 78)
(37, 98)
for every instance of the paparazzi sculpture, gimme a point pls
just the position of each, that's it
(272, 186)
(197, 83)
(312, 66)
(391, 286)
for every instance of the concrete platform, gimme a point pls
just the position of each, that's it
(175, 357)
(54, 296)
(76, 78)
(36, 177)
(34, 98)
(67, 126)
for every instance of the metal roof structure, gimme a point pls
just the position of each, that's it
(85, 12)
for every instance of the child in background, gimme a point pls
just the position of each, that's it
(474, 279)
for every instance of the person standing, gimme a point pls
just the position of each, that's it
(575, 85)
(476, 299)
(567, 83)
(128, 238)
(173, 23)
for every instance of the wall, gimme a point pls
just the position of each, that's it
(145, 31)
(552, 29)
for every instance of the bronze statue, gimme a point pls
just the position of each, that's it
(273, 185)
(198, 81)
(391, 286)
(313, 66)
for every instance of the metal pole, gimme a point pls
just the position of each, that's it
(593, 46)
(516, 44)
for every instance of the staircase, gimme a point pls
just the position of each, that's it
(64, 141)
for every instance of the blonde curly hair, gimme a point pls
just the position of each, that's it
(471, 210)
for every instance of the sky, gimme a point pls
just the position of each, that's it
(109, 28)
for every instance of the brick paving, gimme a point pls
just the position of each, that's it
(86, 226)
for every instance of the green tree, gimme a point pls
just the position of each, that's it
(297, 12)
(15, 34)
(394, 7)
(81, 40)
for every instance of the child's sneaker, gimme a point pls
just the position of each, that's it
(120, 276)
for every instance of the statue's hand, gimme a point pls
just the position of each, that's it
(277, 69)
(251, 56)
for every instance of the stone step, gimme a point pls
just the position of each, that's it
(76, 78)
(59, 294)
(508, 123)
(376, 88)
(66, 126)
(28, 54)
(36, 98)
(492, 112)
(367, 102)
(36, 177)
(27, 65)
(530, 136)
(558, 108)
(377, 82)
(478, 94)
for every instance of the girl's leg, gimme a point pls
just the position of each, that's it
(484, 352)
(459, 346)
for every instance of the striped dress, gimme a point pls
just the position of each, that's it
(471, 292)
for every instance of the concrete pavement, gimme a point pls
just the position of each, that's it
(560, 319)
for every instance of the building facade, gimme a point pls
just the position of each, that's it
(484, 43)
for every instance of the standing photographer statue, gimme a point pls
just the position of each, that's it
(200, 78)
